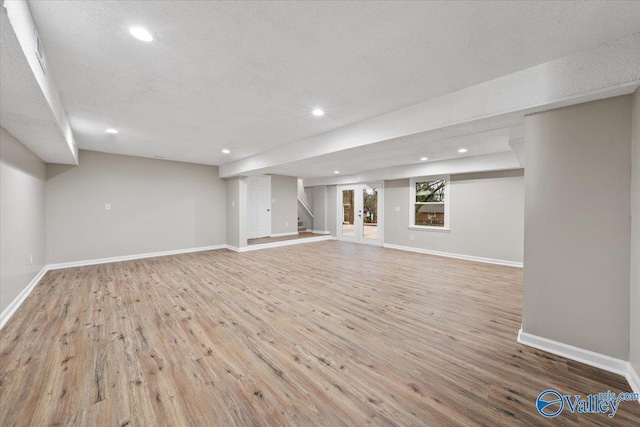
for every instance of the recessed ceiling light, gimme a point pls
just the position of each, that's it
(141, 34)
(462, 150)
(226, 151)
(336, 172)
(424, 159)
(111, 130)
(317, 112)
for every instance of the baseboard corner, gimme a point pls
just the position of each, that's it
(588, 357)
(10, 310)
(633, 379)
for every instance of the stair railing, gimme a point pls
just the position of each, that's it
(306, 208)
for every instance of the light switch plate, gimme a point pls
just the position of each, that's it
(107, 206)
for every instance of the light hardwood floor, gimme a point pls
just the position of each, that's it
(321, 334)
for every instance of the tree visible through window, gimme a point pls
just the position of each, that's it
(370, 205)
(348, 207)
(429, 203)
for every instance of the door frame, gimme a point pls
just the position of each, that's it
(358, 220)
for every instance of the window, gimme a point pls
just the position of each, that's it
(429, 203)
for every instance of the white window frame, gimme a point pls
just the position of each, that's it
(412, 202)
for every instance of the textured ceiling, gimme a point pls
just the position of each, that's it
(244, 75)
(436, 146)
(25, 110)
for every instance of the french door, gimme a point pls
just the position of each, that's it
(360, 213)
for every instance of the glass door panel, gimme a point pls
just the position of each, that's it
(360, 213)
(369, 213)
(348, 213)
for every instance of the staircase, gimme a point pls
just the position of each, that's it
(305, 216)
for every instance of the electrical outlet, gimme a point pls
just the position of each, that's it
(411, 237)
(107, 206)
(31, 259)
(397, 208)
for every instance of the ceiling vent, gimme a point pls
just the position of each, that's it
(39, 51)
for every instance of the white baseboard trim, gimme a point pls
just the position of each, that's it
(284, 243)
(634, 379)
(320, 231)
(588, 357)
(293, 233)
(452, 255)
(132, 257)
(17, 302)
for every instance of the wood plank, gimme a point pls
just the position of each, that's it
(329, 333)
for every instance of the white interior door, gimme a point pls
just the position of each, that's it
(360, 213)
(259, 206)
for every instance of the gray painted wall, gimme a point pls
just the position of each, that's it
(284, 204)
(332, 206)
(236, 212)
(577, 258)
(634, 331)
(156, 205)
(308, 195)
(22, 220)
(320, 208)
(486, 216)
